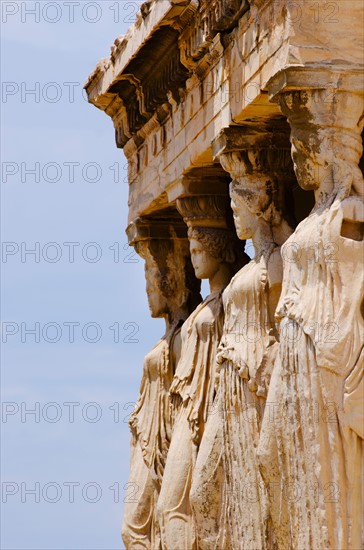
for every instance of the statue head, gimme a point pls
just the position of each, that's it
(260, 196)
(171, 286)
(211, 247)
(212, 236)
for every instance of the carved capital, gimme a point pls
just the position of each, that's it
(146, 229)
(316, 78)
(205, 210)
(247, 150)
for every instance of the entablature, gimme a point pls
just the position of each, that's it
(189, 69)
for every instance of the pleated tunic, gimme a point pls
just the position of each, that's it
(319, 389)
(247, 338)
(194, 380)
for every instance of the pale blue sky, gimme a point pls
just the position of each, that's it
(48, 131)
(105, 292)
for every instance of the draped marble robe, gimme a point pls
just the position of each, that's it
(151, 427)
(193, 387)
(228, 494)
(246, 354)
(313, 445)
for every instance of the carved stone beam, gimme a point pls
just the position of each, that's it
(204, 180)
(144, 69)
(213, 17)
(324, 107)
(146, 229)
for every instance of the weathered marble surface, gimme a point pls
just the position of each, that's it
(173, 292)
(216, 255)
(248, 432)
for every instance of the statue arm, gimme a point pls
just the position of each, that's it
(176, 347)
(275, 275)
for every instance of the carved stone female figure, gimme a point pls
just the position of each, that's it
(172, 293)
(318, 425)
(245, 356)
(216, 254)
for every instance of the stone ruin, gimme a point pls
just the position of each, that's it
(242, 120)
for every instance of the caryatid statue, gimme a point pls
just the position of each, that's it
(216, 255)
(173, 292)
(239, 518)
(319, 420)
